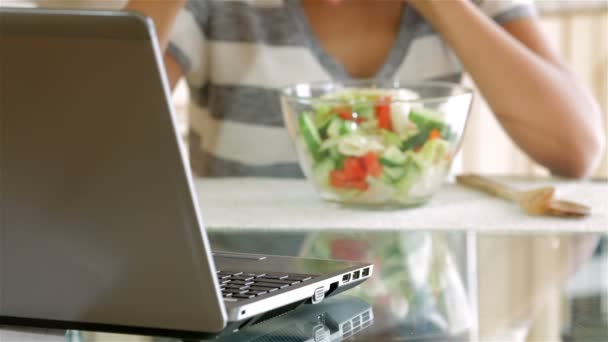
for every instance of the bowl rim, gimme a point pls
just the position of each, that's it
(462, 90)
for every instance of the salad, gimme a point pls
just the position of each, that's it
(366, 148)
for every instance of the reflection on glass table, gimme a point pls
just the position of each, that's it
(420, 286)
(335, 319)
(439, 287)
(489, 287)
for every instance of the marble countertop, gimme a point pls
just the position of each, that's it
(281, 204)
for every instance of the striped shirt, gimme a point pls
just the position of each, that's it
(236, 54)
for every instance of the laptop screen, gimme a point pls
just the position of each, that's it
(98, 220)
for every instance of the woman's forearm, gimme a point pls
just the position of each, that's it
(542, 106)
(163, 12)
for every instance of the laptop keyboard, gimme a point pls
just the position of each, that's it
(240, 285)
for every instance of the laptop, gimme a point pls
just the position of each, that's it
(100, 227)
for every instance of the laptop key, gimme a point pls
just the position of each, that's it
(256, 275)
(280, 285)
(244, 296)
(291, 281)
(236, 287)
(257, 293)
(234, 290)
(271, 279)
(262, 288)
(241, 282)
(275, 281)
(299, 277)
(241, 277)
(275, 276)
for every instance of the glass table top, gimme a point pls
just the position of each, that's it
(501, 276)
(426, 286)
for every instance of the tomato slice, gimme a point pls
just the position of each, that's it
(354, 169)
(383, 114)
(372, 164)
(339, 179)
(345, 112)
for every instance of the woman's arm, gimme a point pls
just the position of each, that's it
(539, 102)
(164, 14)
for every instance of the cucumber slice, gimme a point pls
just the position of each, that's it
(335, 127)
(364, 110)
(322, 115)
(386, 179)
(434, 150)
(334, 153)
(348, 127)
(412, 171)
(392, 157)
(323, 131)
(310, 134)
(322, 171)
(415, 140)
(427, 119)
(394, 173)
(337, 157)
(390, 138)
(414, 161)
(340, 162)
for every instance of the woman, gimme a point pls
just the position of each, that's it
(235, 54)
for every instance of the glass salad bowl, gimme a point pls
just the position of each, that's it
(376, 142)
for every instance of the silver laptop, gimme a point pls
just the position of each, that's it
(100, 228)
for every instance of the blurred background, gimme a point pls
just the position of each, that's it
(579, 30)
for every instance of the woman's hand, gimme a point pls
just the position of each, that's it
(537, 99)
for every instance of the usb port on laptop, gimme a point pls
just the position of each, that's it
(355, 275)
(346, 278)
